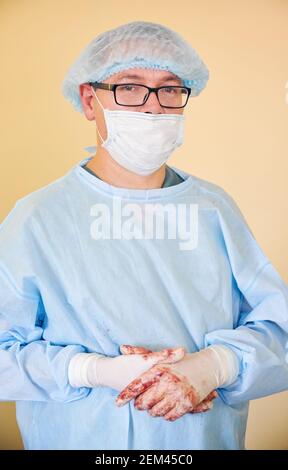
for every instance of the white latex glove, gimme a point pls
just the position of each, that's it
(171, 390)
(203, 406)
(93, 369)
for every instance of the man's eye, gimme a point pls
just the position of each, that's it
(128, 88)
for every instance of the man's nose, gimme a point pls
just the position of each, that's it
(152, 105)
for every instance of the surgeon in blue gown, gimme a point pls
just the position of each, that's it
(72, 294)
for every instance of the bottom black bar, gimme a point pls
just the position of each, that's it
(126, 458)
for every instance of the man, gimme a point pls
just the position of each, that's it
(105, 289)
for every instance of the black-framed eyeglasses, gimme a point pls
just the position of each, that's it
(132, 94)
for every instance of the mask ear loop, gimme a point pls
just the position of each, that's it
(146, 197)
(103, 112)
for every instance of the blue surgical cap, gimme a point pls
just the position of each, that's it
(138, 44)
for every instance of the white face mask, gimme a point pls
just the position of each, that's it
(141, 142)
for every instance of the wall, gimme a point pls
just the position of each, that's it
(236, 134)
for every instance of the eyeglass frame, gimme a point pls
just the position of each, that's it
(113, 87)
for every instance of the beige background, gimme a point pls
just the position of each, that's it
(236, 132)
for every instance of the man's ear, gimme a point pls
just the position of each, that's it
(87, 100)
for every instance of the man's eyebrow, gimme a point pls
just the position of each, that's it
(140, 77)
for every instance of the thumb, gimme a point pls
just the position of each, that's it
(128, 349)
(166, 356)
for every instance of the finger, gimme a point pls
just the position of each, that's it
(149, 398)
(168, 355)
(206, 404)
(128, 349)
(202, 407)
(211, 396)
(139, 385)
(161, 408)
(180, 409)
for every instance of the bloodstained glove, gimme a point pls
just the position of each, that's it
(171, 390)
(93, 369)
(205, 405)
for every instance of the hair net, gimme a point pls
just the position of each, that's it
(137, 44)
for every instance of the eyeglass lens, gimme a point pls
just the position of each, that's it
(135, 95)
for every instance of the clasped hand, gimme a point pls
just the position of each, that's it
(173, 389)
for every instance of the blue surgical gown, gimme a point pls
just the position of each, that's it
(64, 291)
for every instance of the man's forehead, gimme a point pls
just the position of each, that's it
(146, 73)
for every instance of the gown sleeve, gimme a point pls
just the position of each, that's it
(260, 333)
(31, 368)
